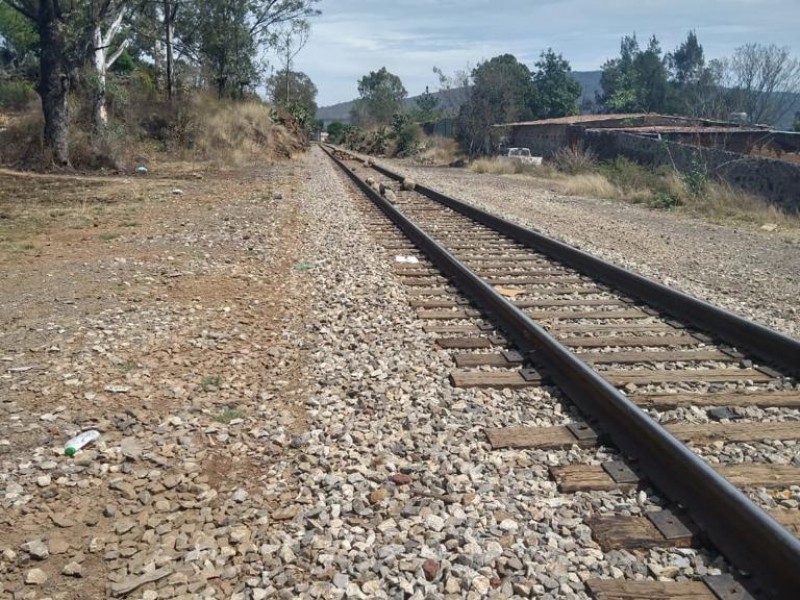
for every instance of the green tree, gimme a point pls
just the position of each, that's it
(19, 41)
(555, 92)
(427, 106)
(502, 92)
(52, 20)
(295, 92)
(336, 132)
(796, 125)
(382, 95)
(636, 81)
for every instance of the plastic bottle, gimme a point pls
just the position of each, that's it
(81, 441)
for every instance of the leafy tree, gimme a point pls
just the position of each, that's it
(296, 93)
(555, 92)
(687, 62)
(51, 19)
(427, 106)
(19, 41)
(336, 132)
(636, 81)
(502, 92)
(796, 125)
(226, 36)
(382, 96)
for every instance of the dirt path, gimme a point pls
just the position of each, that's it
(159, 311)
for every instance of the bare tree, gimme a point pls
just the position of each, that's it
(454, 90)
(289, 42)
(761, 81)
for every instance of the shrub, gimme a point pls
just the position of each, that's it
(575, 159)
(408, 139)
(16, 95)
(696, 178)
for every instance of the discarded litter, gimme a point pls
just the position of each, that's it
(80, 441)
(412, 260)
(118, 389)
(509, 292)
(141, 170)
(304, 266)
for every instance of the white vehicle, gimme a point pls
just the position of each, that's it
(522, 155)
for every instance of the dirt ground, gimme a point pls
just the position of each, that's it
(125, 303)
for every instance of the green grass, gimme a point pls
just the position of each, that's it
(228, 414)
(107, 237)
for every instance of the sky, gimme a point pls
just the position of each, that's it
(410, 37)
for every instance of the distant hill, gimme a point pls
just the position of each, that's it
(589, 80)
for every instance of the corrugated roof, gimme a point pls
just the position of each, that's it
(678, 129)
(577, 119)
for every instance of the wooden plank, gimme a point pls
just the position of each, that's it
(620, 378)
(618, 532)
(465, 343)
(790, 519)
(424, 281)
(588, 314)
(468, 360)
(652, 328)
(630, 341)
(534, 437)
(735, 432)
(447, 314)
(528, 280)
(438, 303)
(782, 399)
(451, 329)
(492, 379)
(760, 475)
(585, 478)
(594, 358)
(542, 437)
(623, 589)
(439, 291)
(543, 302)
(491, 274)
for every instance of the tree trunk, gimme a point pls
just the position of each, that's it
(99, 112)
(169, 22)
(53, 83)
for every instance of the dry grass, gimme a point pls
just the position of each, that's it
(494, 166)
(439, 151)
(593, 185)
(718, 202)
(237, 133)
(204, 128)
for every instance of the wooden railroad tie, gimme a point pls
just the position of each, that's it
(621, 589)
(580, 434)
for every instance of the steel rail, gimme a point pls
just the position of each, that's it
(746, 535)
(767, 344)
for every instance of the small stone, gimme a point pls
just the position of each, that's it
(44, 480)
(72, 569)
(285, 514)
(434, 522)
(401, 479)
(178, 192)
(62, 520)
(341, 581)
(431, 569)
(109, 511)
(124, 526)
(58, 545)
(131, 448)
(37, 549)
(9, 555)
(378, 496)
(35, 577)
(162, 505)
(481, 584)
(240, 495)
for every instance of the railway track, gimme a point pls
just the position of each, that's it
(517, 309)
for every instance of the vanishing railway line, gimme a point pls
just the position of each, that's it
(518, 308)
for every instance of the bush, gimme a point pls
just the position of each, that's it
(696, 178)
(16, 95)
(575, 160)
(408, 139)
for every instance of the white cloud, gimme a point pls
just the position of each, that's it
(409, 37)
